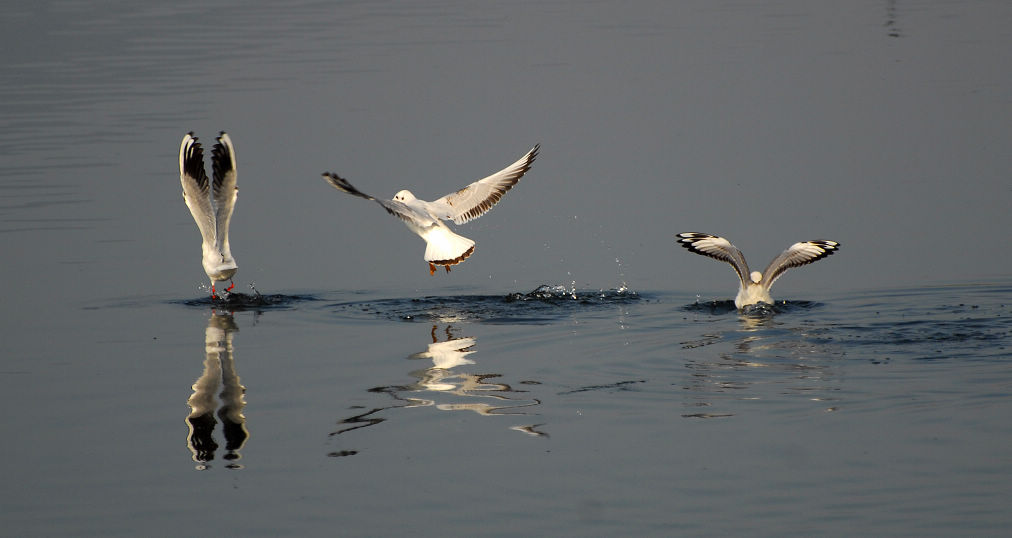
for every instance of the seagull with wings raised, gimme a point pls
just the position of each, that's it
(755, 286)
(211, 202)
(442, 246)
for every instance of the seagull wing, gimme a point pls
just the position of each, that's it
(196, 189)
(798, 254)
(477, 198)
(224, 189)
(717, 248)
(409, 214)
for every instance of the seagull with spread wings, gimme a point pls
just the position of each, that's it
(755, 286)
(442, 246)
(211, 202)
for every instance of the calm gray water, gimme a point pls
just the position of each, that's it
(360, 396)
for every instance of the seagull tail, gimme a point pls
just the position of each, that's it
(444, 247)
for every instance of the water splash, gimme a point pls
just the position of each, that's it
(542, 305)
(561, 294)
(237, 301)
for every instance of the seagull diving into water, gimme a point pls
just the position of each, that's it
(211, 203)
(755, 286)
(442, 246)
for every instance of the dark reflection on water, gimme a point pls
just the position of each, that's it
(609, 387)
(446, 387)
(543, 305)
(255, 302)
(219, 371)
(756, 311)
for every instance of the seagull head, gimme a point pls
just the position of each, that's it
(404, 196)
(756, 276)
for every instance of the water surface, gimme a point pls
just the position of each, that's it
(580, 374)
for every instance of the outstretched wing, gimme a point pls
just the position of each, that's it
(224, 188)
(196, 189)
(717, 248)
(400, 210)
(798, 254)
(477, 198)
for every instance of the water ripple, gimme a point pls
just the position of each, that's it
(719, 308)
(543, 305)
(239, 302)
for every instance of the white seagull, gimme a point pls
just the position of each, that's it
(442, 246)
(211, 203)
(755, 286)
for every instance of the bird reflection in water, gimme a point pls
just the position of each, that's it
(465, 391)
(219, 370)
(765, 359)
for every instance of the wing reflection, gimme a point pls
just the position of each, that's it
(219, 370)
(443, 387)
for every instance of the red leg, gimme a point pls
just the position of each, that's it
(432, 269)
(447, 267)
(230, 288)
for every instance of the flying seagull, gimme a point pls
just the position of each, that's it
(755, 286)
(442, 246)
(211, 203)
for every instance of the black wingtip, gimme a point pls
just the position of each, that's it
(339, 183)
(221, 159)
(686, 239)
(193, 161)
(533, 155)
(343, 185)
(829, 247)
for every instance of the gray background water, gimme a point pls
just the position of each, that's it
(882, 125)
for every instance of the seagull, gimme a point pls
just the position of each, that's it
(211, 203)
(755, 286)
(442, 246)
